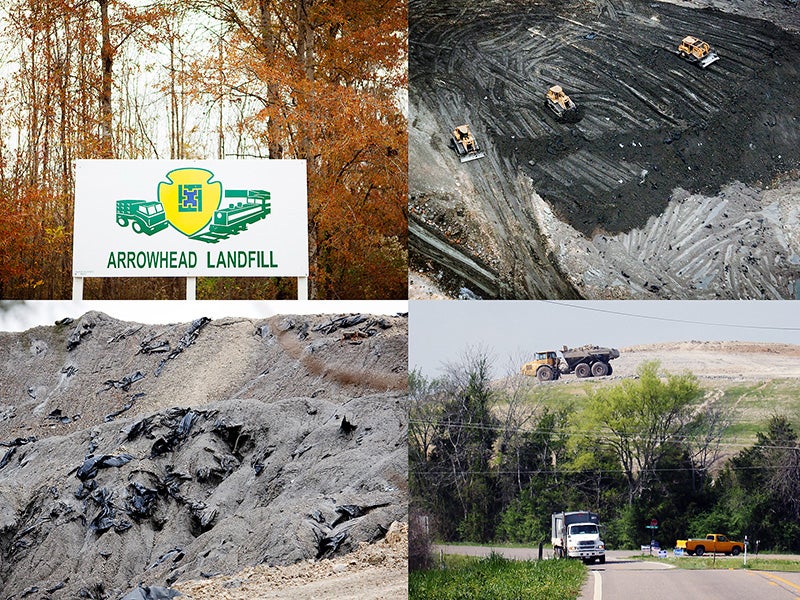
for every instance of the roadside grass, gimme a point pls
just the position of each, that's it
(728, 562)
(498, 578)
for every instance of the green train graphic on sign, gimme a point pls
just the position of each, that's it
(190, 202)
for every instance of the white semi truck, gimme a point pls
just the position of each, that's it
(577, 535)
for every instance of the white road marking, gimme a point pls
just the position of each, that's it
(598, 585)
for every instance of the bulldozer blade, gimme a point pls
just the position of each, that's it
(710, 59)
(472, 156)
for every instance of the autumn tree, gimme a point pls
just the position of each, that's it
(321, 81)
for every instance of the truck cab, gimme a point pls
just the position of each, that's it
(577, 535)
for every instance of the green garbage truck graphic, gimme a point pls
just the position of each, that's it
(143, 216)
(191, 203)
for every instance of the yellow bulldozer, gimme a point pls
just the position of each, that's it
(697, 51)
(463, 142)
(560, 104)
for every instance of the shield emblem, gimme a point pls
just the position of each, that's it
(190, 199)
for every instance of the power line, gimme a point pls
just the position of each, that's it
(669, 319)
(600, 437)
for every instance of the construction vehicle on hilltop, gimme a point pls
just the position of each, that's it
(586, 361)
(463, 142)
(560, 104)
(697, 51)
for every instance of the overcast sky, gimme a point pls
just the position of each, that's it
(20, 316)
(441, 331)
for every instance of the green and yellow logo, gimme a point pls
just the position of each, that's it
(190, 202)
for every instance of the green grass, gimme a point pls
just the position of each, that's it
(729, 562)
(497, 578)
(751, 403)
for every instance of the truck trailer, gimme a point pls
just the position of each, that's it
(577, 535)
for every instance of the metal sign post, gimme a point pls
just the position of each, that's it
(652, 527)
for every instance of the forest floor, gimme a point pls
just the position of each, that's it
(164, 454)
(676, 182)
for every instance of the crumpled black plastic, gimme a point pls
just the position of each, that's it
(141, 500)
(151, 593)
(329, 545)
(19, 441)
(125, 383)
(179, 433)
(78, 334)
(341, 322)
(105, 519)
(90, 466)
(85, 488)
(7, 457)
(187, 340)
(126, 407)
(176, 554)
(148, 346)
(58, 415)
(346, 427)
(347, 512)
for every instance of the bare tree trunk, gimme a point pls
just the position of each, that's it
(269, 45)
(107, 60)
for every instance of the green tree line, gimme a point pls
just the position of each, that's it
(490, 463)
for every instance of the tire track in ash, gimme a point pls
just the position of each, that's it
(495, 199)
(652, 123)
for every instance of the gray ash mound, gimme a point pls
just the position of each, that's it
(651, 122)
(258, 443)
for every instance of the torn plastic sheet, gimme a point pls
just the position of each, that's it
(58, 415)
(141, 500)
(7, 457)
(149, 346)
(179, 433)
(151, 593)
(353, 511)
(187, 340)
(341, 322)
(106, 518)
(19, 441)
(347, 512)
(176, 554)
(127, 333)
(126, 407)
(329, 545)
(89, 468)
(81, 331)
(125, 383)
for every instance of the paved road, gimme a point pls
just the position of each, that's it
(622, 578)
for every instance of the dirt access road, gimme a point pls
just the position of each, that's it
(677, 182)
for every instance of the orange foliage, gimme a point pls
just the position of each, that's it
(312, 79)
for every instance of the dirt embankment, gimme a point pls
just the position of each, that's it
(373, 572)
(159, 454)
(600, 207)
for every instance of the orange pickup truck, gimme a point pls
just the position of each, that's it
(713, 542)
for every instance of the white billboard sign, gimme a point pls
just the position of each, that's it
(187, 218)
